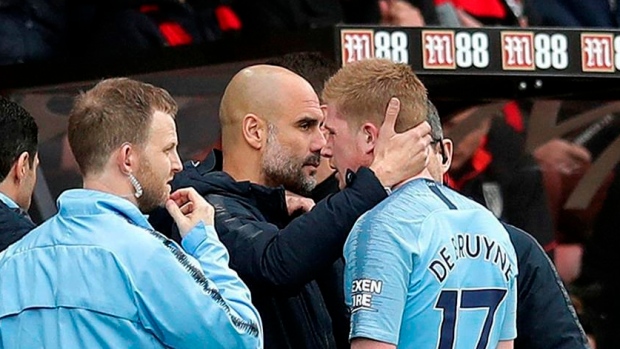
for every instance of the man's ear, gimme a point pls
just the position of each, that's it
(254, 131)
(21, 166)
(446, 159)
(369, 133)
(127, 158)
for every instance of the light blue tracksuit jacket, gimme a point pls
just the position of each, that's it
(97, 275)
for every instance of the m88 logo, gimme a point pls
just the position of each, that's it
(445, 49)
(525, 50)
(358, 44)
(600, 52)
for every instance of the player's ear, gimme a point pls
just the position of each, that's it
(369, 134)
(447, 148)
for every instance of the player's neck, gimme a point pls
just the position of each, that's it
(425, 174)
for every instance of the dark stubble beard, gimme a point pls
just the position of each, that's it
(280, 168)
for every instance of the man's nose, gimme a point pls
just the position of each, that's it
(326, 151)
(177, 166)
(319, 141)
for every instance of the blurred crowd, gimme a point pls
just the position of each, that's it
(38, 30)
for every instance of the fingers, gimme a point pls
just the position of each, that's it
(579, 153)
(174, 210)
(185, 195)
(180, 196)
(187, 208)
(422, 132)
(427, 140)
(296, 202)
(187, 200)
(289, 194)
(391, 114)
(562, 155)
(308, 204)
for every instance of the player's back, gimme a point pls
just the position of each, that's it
(443, 270)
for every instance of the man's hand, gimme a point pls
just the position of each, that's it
(400, 13)
(562, 156)
(399, 156)
(295, 203)
(188, 208)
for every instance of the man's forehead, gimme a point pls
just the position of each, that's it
(311, 103)
(163, 125)
(335, 122)
(333, 112)
(311, 107)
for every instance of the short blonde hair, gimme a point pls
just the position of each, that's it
(362, 90)
(115, 111)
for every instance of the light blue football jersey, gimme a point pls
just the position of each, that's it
(430, 268)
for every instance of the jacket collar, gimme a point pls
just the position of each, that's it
(8, 201)
(85, 202)
(208, 178)
(271, 202)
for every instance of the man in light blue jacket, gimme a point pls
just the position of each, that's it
(97, 274)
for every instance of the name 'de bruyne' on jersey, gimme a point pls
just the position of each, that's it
(470, 246)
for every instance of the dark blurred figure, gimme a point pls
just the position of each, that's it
(32, 30)
(598, 279)
(490, 166)
(18, 170)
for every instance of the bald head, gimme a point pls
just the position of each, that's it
(262, 90)
(271, 128)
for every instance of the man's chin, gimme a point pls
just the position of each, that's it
(303, 189)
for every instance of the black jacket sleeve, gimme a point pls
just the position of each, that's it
(287, 258)
(527, 206)
(545, 315)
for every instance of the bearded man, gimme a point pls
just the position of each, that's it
(271, 141)
(96, 274)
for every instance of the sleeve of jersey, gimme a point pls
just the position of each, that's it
(192, 302)
(376, 280)
(509, 328)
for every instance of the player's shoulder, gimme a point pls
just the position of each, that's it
(402, 213)
(459, 200)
